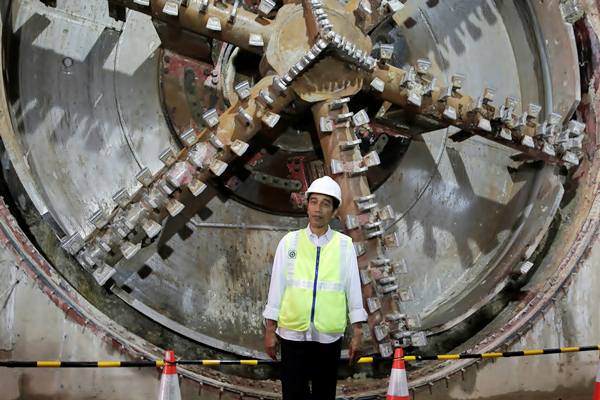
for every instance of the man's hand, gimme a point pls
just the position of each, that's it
(271, 339)
(354, 350)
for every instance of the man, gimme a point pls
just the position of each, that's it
(314, 285)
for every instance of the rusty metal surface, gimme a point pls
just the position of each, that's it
(328, 77)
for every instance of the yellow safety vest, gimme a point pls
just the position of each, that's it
(315, 283)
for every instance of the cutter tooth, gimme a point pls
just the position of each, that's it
(394, 5)
(326, 124)
(415, 98)
(215, 142)
(371, 159)
(239, 147)
(202, 6)
(168, 157)
(213, 24)
(242, 89)
(450, 113)
(360, 118)
(265, 7)
(171, 8)
(484, 124)
(151, 227)
(337, 166)
(233, 13)
(129, 250)
(364, 8)
(527, 141)
(423, 66)
(189, 137)
(359, 248)
(352, 222)
(122, 198)
(338, 103)
(99, 219)
(270, 119)
(350, 144)
(373, 304)
(386, 52)
(244, 117)
(256, 40)
(457, 82)
(196, 187)
(217, 167)
(174, 207)
(211, 118)
(73, 244)
(378, 85)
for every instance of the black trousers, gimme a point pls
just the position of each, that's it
(304, 362)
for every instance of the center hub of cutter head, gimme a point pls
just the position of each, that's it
(329, 76)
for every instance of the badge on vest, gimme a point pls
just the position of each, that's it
(292, 254)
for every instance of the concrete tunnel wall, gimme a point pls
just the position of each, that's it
(33, 328)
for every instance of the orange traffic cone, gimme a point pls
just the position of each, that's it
(169, 381)
(597, 385)
(398, 388)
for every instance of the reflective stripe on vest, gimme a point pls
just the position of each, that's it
(315, 284)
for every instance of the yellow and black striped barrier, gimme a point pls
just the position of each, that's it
(82, 364)
(254, 362)
(521, 353)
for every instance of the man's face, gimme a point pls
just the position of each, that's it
(320, 210)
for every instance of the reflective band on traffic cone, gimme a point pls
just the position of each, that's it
(169, 381)
(597, 385)
(398, 388)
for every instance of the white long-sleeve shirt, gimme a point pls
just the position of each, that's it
(356, 311)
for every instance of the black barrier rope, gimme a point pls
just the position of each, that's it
(252, 362)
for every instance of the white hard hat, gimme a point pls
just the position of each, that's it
(326, 185)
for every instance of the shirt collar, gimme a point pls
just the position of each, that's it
(327, 235)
